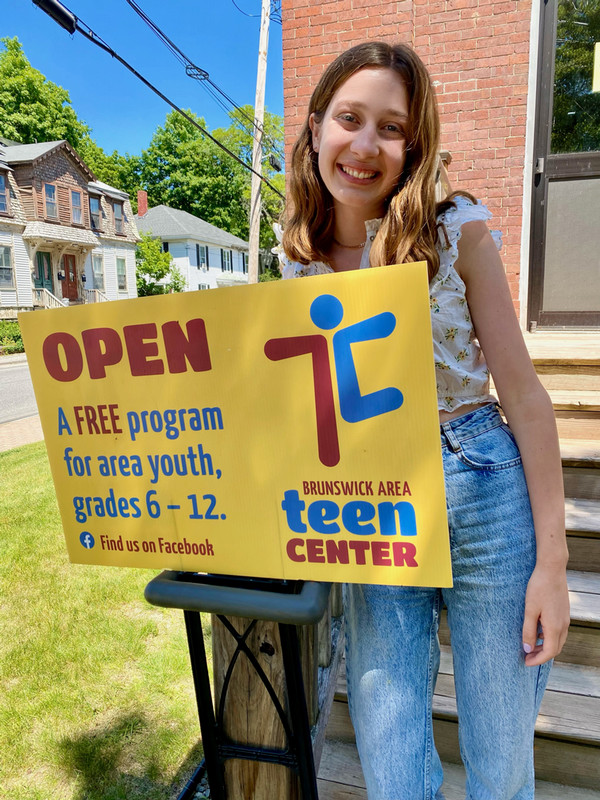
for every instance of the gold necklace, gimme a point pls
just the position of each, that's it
(350, 246)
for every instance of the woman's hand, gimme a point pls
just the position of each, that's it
(547, 614)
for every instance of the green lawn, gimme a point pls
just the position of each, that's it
(97, 697)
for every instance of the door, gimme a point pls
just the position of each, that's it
(70, 282)
(564, 289)
(43, 271)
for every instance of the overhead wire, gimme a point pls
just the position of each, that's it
(66, 19)
(193, 71)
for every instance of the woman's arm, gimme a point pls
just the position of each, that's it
(530, 415)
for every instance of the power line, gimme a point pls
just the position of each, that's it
(275, 11)
(193, 71)
(67, 20)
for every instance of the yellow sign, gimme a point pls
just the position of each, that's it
(282, 430)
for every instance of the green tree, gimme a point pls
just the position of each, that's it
(152, 266)
(238, 137)
(185, 170)
(34, 109)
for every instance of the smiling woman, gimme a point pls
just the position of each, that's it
(363, 195)
(361, 146)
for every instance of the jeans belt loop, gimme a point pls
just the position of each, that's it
(451, 437)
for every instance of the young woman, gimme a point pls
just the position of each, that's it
(363, 194)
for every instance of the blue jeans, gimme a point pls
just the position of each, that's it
(392, 643)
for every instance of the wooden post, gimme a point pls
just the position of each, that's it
(249, 714)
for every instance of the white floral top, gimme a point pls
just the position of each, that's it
(462, 375)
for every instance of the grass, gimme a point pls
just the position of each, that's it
(97, 694)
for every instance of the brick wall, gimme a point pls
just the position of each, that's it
(478, 54)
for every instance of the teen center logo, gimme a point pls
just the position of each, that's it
(327, 312)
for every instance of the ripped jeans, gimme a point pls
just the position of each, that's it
(392, 636)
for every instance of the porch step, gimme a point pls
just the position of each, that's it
(581, 468)
(577, 400)
(341, 778)
(583, 642)
(582, 517)
(553, 349)
(567, 742)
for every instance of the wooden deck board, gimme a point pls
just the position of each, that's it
(341, 778)
(582, 515)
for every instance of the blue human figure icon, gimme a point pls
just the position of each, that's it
(327, 313)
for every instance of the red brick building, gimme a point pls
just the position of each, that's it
(493, 64)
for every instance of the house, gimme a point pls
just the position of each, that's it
(518, 87)
(207, 256)
(65, 238)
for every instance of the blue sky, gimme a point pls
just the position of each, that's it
(121, 111)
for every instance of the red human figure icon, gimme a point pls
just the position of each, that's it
(316, 345)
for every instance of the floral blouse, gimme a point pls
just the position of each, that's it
(462, 376)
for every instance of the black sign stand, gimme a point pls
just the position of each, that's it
(289, 603)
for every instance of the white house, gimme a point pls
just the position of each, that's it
(207, 256)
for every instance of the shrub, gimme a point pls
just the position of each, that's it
(10, 337)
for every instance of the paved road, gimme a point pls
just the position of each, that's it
(17, 399)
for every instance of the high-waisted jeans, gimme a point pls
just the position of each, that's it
(392, 636)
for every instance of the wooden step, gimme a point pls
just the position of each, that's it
(567, 743)
(578, 425)
(582, 519)
(341, 778)
(583, 642)
(565, 349)
(569, 378)
(581, 468)
(579, 400)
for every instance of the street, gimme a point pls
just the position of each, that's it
(17, 399)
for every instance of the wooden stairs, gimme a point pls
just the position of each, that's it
(567, 742)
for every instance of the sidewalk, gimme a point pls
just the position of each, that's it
(19, 431)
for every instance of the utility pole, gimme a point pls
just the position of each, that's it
(259, 112)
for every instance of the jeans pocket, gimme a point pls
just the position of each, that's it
(491, 450)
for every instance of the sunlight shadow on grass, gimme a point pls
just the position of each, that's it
(103, 762)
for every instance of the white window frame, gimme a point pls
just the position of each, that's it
(203, 286)
(76, 207)
(226, 260)
(6, 255)
(4, 195)
(98, 284)
(201, 256)
(120, 218)
(48, 202)
(123, 275)
(96, 199)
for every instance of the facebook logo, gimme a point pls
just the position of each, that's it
(87, 540)
(326, 313)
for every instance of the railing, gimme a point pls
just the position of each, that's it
(94, 296)
(45, 299)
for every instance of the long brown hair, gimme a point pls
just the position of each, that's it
(409, 229)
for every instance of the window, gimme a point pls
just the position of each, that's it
(76, 207)
(118, 212)
(96, 213)
(165, 247)
(98, 270)
(6, 270)
(4, 207)
(203, 286)
(201, 255)
(226, 261)
(121, 274)
(50, 201)
(244, 263)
